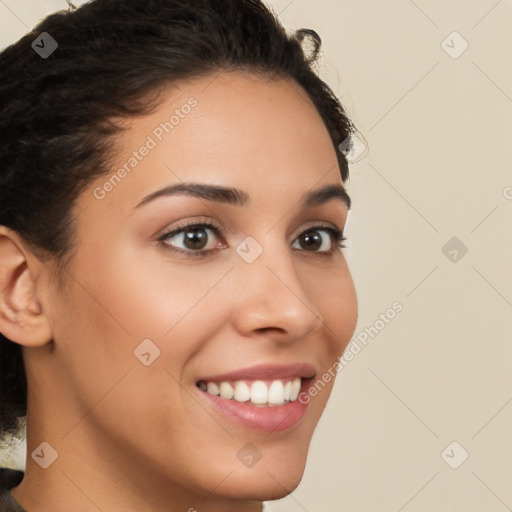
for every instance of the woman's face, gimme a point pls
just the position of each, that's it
(151, 314)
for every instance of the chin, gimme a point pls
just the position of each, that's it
(270, 482)
(266, 489)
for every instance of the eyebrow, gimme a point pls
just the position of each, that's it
(237, 197)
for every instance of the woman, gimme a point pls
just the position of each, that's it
(175, 294)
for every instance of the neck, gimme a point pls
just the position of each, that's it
(90, 475)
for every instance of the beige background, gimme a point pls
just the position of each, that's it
(439, 131)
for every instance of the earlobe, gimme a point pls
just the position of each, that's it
(22, 318)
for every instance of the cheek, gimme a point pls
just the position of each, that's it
(333, 293)
(146, 296)
(114, 304)
(344, 314)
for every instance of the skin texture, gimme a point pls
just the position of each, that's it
(131, 437)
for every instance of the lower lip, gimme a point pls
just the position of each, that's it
(265, 419)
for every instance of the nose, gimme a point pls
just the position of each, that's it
(271, 300)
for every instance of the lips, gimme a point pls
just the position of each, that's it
(264, 372)
(259, 385)
(262, 397)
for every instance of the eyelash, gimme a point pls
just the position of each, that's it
(336, 237)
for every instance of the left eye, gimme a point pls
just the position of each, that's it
(318, 240)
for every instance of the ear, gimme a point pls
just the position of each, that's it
(22, 318)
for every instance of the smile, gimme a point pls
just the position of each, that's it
(262, 397)
(258, 392)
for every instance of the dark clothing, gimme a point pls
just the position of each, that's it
(9, 478)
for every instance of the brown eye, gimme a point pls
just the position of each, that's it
(311, 241)
(319, 239)
(194, 238)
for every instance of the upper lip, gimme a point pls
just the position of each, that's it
(265, 372)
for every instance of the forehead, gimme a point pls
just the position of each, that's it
(233, 129)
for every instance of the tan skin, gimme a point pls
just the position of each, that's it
(131, 437)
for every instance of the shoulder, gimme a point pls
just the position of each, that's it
(9, 478)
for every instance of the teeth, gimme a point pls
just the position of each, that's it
(212, 388)
(259, 392)
(242, 391)
(277, 392)
(226, 391)
(294, 393)
(287, 390)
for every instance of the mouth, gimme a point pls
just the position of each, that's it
(260, 393)
(261, 397)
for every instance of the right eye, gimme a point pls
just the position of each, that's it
(194, 239)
